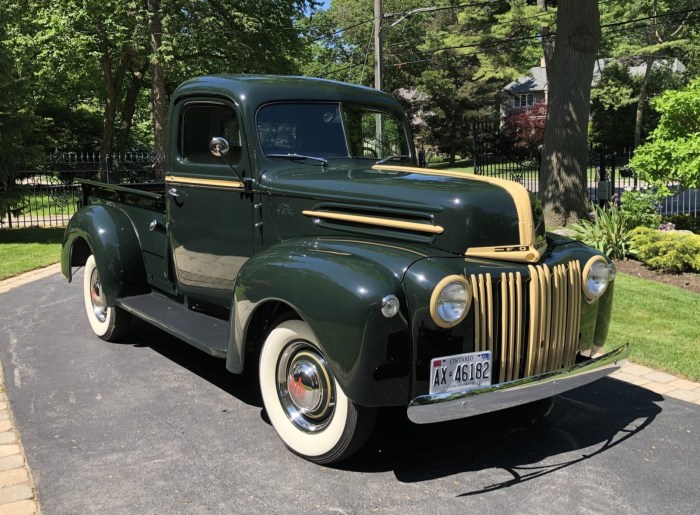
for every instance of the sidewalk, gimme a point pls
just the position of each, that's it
(17, 491)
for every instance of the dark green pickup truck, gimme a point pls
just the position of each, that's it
(293, 233)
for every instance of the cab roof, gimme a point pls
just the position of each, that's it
(254, 90)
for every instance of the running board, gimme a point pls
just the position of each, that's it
(207, 333)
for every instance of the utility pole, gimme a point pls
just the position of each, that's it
(378, 36)
(379, 32)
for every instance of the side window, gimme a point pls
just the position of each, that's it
(202, 122)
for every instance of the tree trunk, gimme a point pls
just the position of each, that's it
(547, 42)
(642, 101)
(113, 87)
(159, 96)
(128, 110)
(563, 183)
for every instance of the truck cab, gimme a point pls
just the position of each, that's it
(293, 233)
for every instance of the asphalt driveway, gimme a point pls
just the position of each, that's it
(155, 426)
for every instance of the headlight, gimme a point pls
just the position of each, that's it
(450, 301)
(596, 277)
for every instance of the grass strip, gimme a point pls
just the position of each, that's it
(660, 324)
(22, 250)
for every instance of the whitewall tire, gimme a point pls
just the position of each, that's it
(305, 404)
(109, 323)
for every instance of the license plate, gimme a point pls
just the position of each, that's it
(460, 372)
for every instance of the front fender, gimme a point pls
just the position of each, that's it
(112, 239)
(337, 288)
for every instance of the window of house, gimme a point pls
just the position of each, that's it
(524, 100)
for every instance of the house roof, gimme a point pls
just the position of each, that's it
(536, 80)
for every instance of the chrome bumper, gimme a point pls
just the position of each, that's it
(440, 407)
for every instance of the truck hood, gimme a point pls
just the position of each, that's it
(454, 212)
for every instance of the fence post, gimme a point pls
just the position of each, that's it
(474, 147)
(108, 158)
(612, 175)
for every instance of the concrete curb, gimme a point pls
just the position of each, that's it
(28, 277)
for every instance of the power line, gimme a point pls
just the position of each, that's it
(502, 41)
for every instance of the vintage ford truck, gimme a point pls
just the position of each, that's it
(294, 234)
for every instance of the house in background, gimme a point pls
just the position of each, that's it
(531, 89)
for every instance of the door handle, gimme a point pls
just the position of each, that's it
(173, 192)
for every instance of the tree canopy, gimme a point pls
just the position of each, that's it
(89, 75)
(672, 154)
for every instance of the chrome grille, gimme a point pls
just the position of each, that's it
(533, 325)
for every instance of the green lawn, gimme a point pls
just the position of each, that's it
(661, 324)
(22, 250)
(46, 205)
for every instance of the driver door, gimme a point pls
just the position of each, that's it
(210, 216)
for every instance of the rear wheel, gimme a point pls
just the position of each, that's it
(109, 323)
(306, 405)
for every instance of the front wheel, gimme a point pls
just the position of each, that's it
(306, 405)
(109, 323)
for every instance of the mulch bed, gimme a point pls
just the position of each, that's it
(689, 282)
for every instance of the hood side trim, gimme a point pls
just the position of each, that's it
(373, 220)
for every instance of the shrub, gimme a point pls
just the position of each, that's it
(641, 209)
(607, 232)
(684, 222)
(666, 250)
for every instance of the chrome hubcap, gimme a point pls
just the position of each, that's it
(305, 387)
(99, 307)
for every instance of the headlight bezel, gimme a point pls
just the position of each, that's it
(435, 300)
(586, 275)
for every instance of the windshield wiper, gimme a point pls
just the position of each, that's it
(300, 157)
(396, 157)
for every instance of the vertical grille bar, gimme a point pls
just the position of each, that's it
(545, 317)
(483, 312)
(533, 337)
(548, 338)
(505, 317)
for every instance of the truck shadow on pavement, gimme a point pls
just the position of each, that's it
(581, 424)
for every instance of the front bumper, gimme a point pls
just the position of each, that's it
(453, 405)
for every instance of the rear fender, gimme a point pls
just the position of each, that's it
(107, 233)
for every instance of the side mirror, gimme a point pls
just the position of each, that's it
(218, 146)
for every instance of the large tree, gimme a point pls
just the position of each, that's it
(649, 32)
(17, 118)
(563, 181)
(105, 56)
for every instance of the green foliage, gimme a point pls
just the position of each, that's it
(673, 150)
(667, 250)
(481, 31)
(683, 222)
(641, 208)
(606, 232)
(614, 103)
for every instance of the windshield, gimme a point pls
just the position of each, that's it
(319, 130)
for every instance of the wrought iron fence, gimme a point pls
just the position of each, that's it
(495, 156)
(49, 191)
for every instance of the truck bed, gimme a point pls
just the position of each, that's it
(145, 195)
